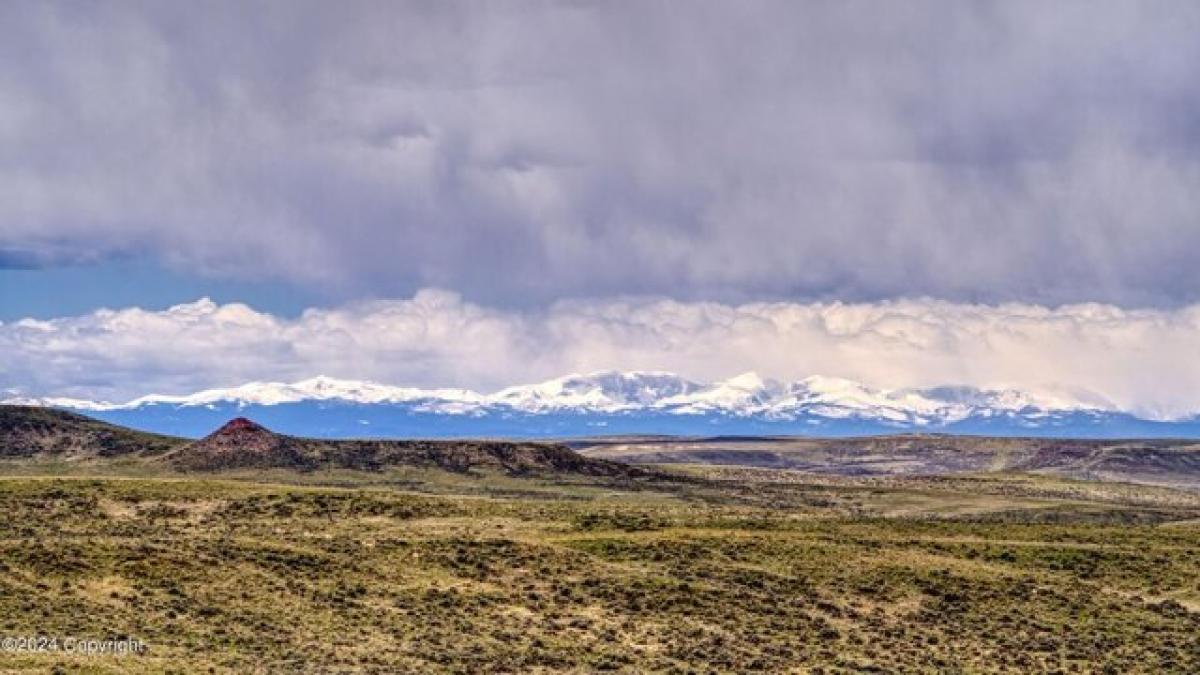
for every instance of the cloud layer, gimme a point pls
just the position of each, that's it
(1138, 360)
(525, 152)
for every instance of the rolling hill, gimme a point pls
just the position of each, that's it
(243, 444)
(29, 431)
(44, 433)
(1151, 461)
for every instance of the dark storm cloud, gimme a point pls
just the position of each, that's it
(19, 260)
(529, 151)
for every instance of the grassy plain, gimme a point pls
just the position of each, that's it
(733, 570)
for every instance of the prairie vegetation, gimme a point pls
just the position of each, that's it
(421, 570)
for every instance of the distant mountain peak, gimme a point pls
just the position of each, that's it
(607, 390)
(610, 391)
(747, 380)
(632, 401)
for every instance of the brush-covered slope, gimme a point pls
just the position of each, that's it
(1158, 461)
(243, 444)
(40, 433)
(27, 431)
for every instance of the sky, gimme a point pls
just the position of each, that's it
(481, 194)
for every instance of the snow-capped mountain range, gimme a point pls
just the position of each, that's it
(624, 402)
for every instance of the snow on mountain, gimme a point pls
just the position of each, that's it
(840, 398)
(836, 398)
(314, 389)
(276, 393)
(1009, 400)
(60, 402)
(747, 393)
(639, 392)
(605, 391)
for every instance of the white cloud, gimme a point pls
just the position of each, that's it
(1142, 360)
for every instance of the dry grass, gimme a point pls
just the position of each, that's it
(495, 574)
